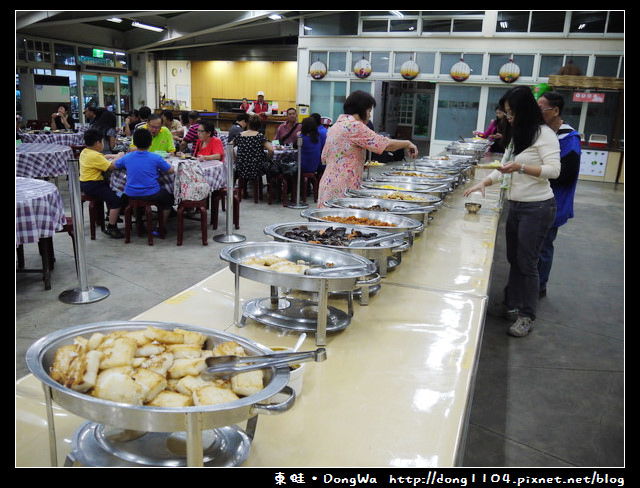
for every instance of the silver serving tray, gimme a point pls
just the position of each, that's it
(344, 274)
(40, 357)
(414, 188)
(432, 183)
(398, 223)
(415, 210)
(382, 240)
(429, 198)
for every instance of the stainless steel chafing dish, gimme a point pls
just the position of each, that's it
(395, 223)
(332, 270)
(413, 209)
(439, 190)
(378, 248)
(407, 196)
(429, 183)
(467, 149)
(126, 419)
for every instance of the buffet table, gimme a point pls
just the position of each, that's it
(396, 388)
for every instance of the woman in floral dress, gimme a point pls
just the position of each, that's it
(347, 143)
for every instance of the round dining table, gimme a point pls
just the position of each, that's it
(42, 160)
(39, 215)
(215, 173)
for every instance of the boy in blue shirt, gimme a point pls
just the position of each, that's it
(143, 168)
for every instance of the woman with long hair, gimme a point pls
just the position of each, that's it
(532, 158)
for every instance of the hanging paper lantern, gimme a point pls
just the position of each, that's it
(318, 70)
(362, 68)
(509, 72)
(460, 71)
(540, 89)
(409, 69)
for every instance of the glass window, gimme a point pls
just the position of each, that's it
(550, 65)
(547, 21)
(125, 94)
(588, 21)
(73, 91)
(436, 25)
(581, 62)
(467, 25)
(606, 66)
(342, 24)
(404, 25)
(375, 25)
(380, 62)
(473, 60)
(615, 24)
(426, 62)
(318, 56)
(601, 117)
(337, 61)
(457, 111)
(95, 57)
(65, 54)
(512, 22)
(493, 98)
(327, 98)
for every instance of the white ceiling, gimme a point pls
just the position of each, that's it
(201, 34)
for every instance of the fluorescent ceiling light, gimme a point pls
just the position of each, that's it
(147, 26)
(275, 16)
(504, 24)
(115, 19)
(397, 13)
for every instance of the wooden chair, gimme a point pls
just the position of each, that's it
(96, 214)
(219, 197)
(47, 256)
(309, 178)
(145, 206)
(257, 188)
(200, 206)
(276, 183)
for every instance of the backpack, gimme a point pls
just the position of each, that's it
(190, 182)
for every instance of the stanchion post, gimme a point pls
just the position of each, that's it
(84, 293)
(298, 204)
(229, 236)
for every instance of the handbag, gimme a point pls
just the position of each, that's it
(190, 183)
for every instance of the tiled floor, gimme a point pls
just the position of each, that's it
(554, 398)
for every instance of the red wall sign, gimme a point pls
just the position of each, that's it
(588, 97)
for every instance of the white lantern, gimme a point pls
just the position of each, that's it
(409, 69)
(362, 68)
(460, 71)
(509, 72)
(318, 70)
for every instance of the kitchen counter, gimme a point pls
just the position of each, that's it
(397, 384)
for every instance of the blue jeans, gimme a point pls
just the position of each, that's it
(546, 257)
(526, 228)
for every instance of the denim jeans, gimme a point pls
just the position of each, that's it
(526, 228)
(546, 257)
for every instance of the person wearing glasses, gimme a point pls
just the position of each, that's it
(208, 147)
(162, 140)
(532, 159)
(564, 186)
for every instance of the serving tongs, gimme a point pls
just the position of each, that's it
(223, 366)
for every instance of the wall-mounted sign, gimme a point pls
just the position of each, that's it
(588, 97)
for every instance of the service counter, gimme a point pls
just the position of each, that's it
(397, 384)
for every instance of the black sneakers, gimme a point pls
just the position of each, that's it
(113, 232)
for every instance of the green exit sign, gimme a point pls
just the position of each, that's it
(98, 53)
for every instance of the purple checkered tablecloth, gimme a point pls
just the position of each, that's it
(38, 160)
(39, 210)
(214, 171)
(65, 138)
